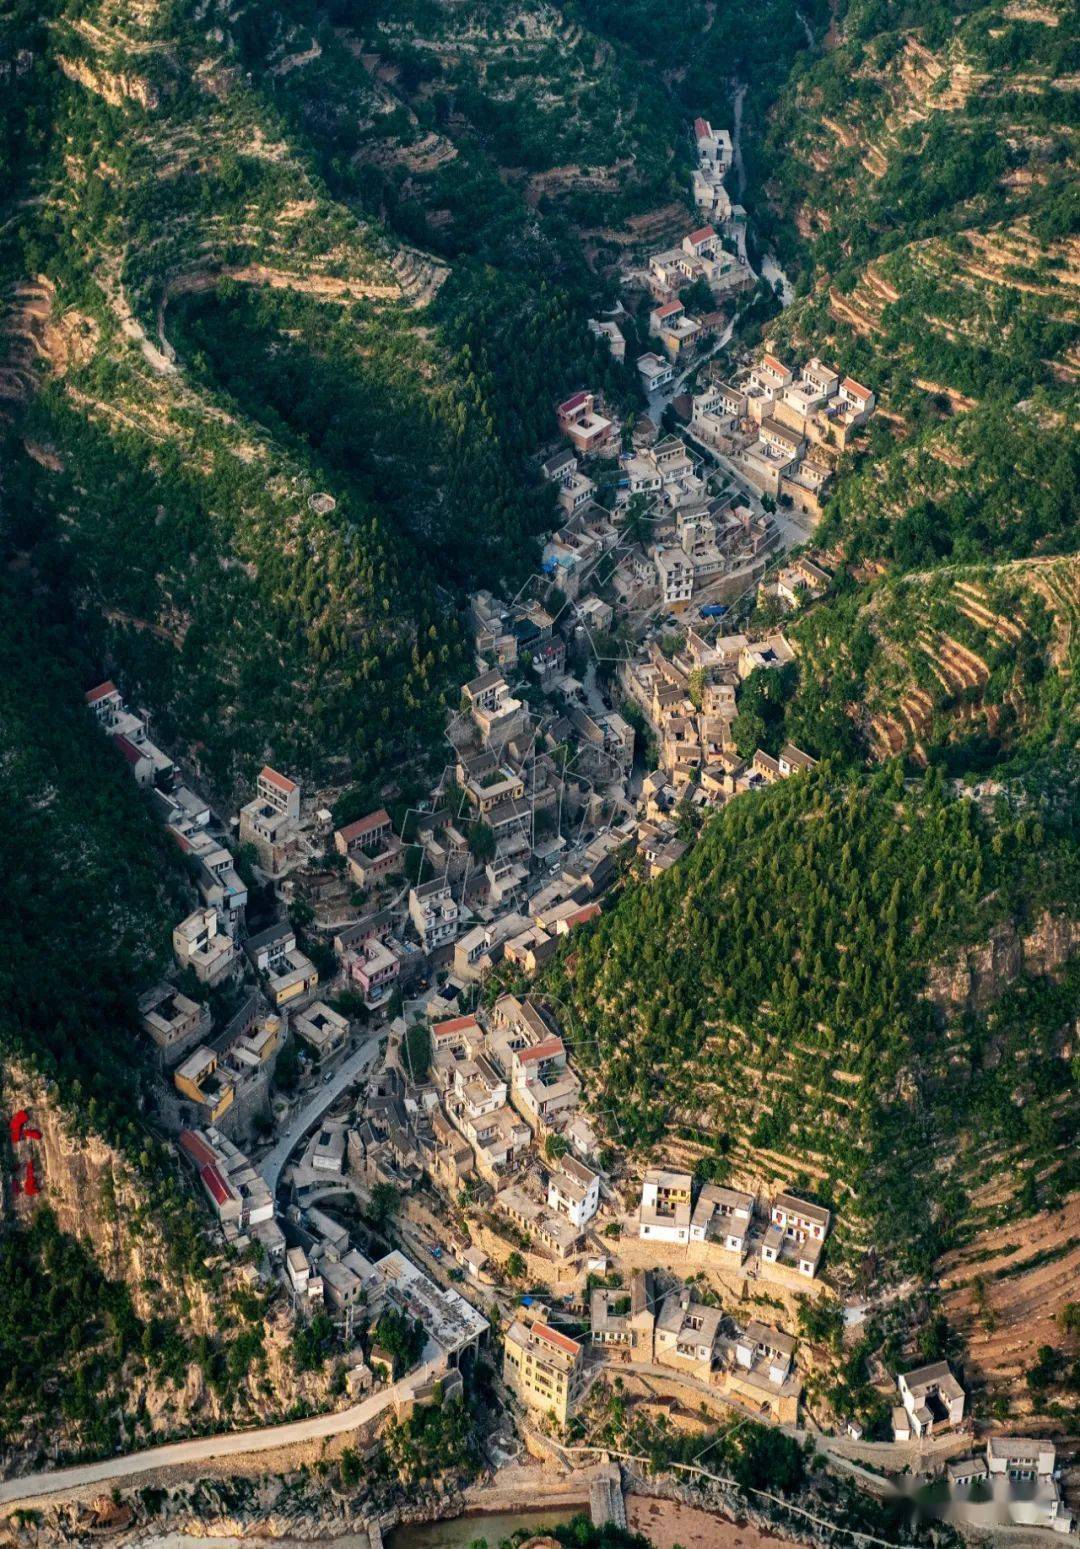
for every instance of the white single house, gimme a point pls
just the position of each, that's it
(932, 1398)
(574, 1191)
(664, 1215)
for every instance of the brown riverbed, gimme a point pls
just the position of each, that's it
(668, 1523)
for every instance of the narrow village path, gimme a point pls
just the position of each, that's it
(736, 139)
(273, 1163)
(31, 1487)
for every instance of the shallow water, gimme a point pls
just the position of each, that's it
(462, 1532)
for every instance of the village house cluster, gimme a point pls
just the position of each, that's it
(782, 430)
(550, 1372)
(378, 928)
(690, 702)
(711, 257)
(788, 1232)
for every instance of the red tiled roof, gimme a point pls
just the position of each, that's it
(363, 826)
(454, 1025)
(702, 234)
(127, 749)
(102, 690)
(282, 782)
(856, 387)
(215, 1184)
(702, 128)
(553, 1337)
(572, 403)
(668, 308)
(589, 912)
(773, 364)
(541, 1051)
(196, 1148)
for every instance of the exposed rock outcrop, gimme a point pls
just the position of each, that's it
(979, 976)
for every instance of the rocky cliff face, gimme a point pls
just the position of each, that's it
(95, 1195)
(232, 1334)
(977, 978)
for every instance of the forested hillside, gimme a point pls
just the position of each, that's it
(778, 999)
(290, 290)
(922, 173)
(195, 211)
(864, 989)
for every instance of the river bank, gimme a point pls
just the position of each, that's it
(669, 1524)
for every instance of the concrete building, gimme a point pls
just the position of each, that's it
(574, 1191)
(625, 1322)
(279, 792)
(172, 1021)
(723, 1216)
(687, 1333)
(1020, 1457)
(269, 821)
(664, 1214)
(199, 945)
(932, 1398)
(545, 1369)
(322, 1029)
(589, 433)
(613, 334)
(375, 967)
(294, 982)
(450, 1322)
(655, 372)
(371, 848)
(434, 914)
(199, 1080)
(803, 1226)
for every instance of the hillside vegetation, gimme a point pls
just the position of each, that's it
(183, 165)
(866, 987)
(922, 172)
(290, 292)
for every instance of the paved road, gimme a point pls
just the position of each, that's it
(659, 400)
(273, 1162)
(233, 1444)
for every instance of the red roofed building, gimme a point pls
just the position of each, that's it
(580, 917)
(371, 847)
(560, 1341)
(454, 1030)
(674, 328)
(537, 1061)
(106, 702)
(702, 129)
(704, 237)
(588, 432)
(279, 792)
(577, 404)
(551, 1048)
(859, 397)
(194, 1146)
(364, 834)
(768, 378)
(216, 1187)
(544, 1368)
(140, 764)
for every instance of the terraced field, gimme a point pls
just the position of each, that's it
(964, 656)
